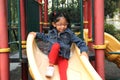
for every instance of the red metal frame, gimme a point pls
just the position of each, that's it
(22, 20)
(4, 56)
(98, 32)
(85, 9)
(99, 36)
(40, 12)
(89, 19)
(23, 37)
(90, 43)
(45, 13)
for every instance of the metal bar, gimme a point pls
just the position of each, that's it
(85, 11)
(99, 36)
(81, 18)
(114, 52)
(45, 12)
(24, 66)
(93, 36)
(4, 56)
(19, 30)
(40, 15)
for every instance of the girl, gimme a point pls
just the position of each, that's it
(60, 37)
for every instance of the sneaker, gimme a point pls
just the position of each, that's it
(50, 71)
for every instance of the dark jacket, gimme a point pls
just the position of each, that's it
(65, 39)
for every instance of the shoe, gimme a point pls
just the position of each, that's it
(50, 71)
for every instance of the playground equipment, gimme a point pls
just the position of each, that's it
(79, 67)
(38, 61)
(112, 49)
(95, 32)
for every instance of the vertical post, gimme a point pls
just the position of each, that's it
(40, 15)
(4, 56)
(90, 19)
(99, 36)
(85, 6)
(22, 19)
(90, 30)
(23, 38)
(93, 21)
(19, 30)
(45, 13)
(81, 17)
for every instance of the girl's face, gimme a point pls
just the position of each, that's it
(60, 25)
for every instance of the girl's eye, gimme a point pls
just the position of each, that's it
(62, 24)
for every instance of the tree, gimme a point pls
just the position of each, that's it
(71, 7)
(110, 7)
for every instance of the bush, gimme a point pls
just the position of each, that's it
(118, 35)
(109, 28)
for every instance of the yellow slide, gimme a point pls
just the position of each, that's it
(112, 45)
(79, 67)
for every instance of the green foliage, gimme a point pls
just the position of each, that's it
(13, 11)
(110, 7)
(118, 35)
(13, 23)
(62, 1)
(72, 8)
(74, 14)
(109, 28)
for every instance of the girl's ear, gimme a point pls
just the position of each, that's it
(53, 24)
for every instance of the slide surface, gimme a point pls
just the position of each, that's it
(112, 45)
(79, 67)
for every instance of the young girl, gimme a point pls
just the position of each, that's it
(61, 38)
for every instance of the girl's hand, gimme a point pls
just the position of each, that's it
(85, 54)
(33, 33)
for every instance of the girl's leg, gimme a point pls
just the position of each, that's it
(54, 52)
(63, 65)
(53, 55)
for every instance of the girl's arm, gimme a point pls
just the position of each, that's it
(79, 42)
(40, 36)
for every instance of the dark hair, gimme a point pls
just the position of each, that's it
(54, 17)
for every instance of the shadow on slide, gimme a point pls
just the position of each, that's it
(79, 67)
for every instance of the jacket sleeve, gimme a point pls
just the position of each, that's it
(79, 42)
(42, 36)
